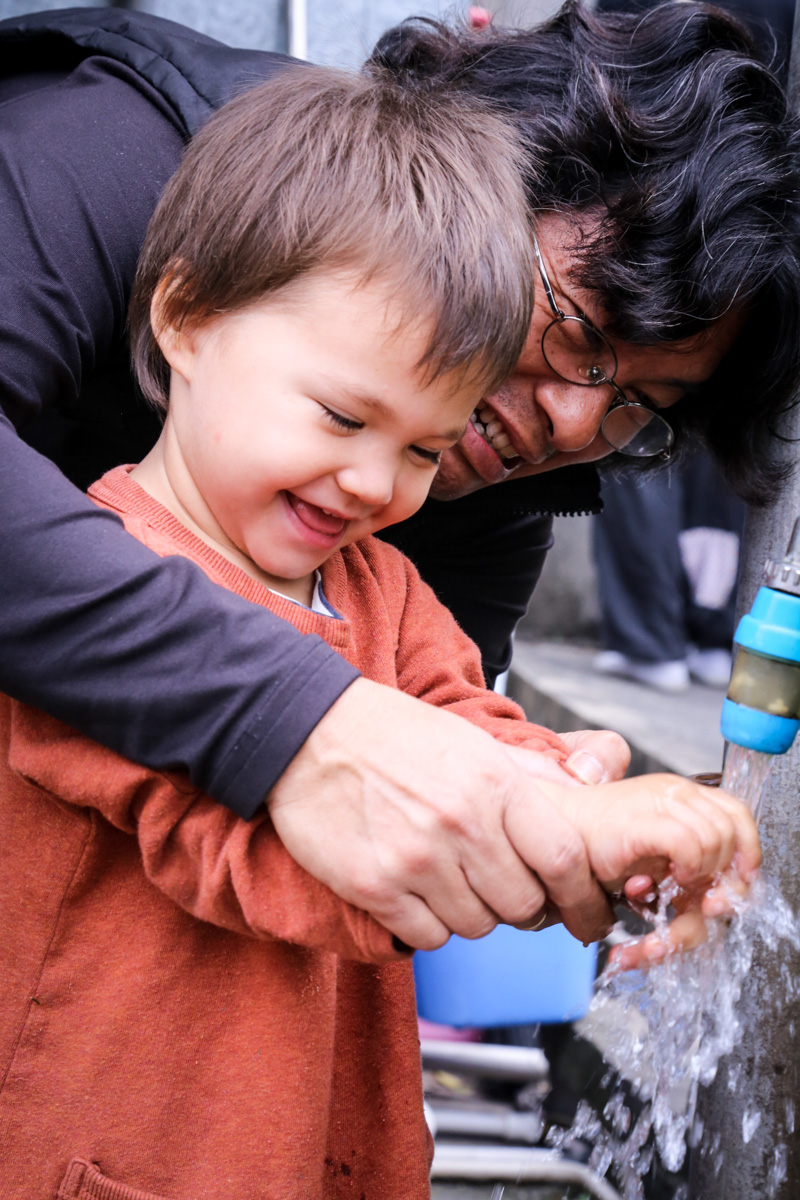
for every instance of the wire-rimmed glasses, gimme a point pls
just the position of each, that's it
(578, 352)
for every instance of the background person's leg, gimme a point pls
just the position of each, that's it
(709, 545)
(642, 588)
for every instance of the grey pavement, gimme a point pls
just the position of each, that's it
(556, 685)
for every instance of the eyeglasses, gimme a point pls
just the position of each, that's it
(580, 353)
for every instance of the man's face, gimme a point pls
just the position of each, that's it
(538, 421)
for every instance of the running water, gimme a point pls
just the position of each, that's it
(669, 1027)
(746, 775)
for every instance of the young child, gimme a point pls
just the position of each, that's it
(324, 295)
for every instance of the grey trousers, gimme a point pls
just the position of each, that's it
(651, 609)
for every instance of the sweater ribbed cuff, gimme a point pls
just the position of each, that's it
(293, 709)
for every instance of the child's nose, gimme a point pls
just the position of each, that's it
(370, 481)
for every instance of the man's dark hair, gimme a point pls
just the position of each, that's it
(667, 126)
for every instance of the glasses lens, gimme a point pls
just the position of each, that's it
(637, 431)
(578, 352)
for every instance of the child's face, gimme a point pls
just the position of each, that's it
(300, 425)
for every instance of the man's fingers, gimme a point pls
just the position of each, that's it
(541, 766)
(544, 919)
(413, 924)
(458, 905)
(598, 755)
(429, 825)
(505, 883)
(553, 848)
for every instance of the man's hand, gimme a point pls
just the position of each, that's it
(597, 755)
(429, 824)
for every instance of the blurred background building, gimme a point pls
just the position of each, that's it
(338, 32)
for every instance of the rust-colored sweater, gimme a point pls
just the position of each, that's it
(184, 1012)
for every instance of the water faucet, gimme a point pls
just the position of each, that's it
(762, 708)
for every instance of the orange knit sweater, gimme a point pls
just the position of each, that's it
(184, 1012)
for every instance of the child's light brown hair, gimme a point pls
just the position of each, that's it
(321, 170)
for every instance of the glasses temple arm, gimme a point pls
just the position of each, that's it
(548, 287)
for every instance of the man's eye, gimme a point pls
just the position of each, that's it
(342, 422)
(431, 456)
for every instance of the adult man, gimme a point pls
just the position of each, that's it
(428, 825)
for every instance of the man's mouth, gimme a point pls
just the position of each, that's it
(488, 425)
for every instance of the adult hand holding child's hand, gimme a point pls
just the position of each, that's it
(430, 825)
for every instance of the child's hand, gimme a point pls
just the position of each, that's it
(695, 908)
(661, 824)
(646, 828)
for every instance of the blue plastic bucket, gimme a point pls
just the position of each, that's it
(507, 978)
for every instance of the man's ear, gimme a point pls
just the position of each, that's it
(176, 343)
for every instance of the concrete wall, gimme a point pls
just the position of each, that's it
(340, 32)
(256, 24)
(16, 8)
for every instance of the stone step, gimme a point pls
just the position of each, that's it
(556, 685)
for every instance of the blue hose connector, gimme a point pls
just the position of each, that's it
(757, 730)
(762, 708)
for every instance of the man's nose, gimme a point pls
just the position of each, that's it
(576, 413)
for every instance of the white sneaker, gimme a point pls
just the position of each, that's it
(672, 676)
(711, 667)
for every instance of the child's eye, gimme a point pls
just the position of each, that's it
(431, 456)
(340, 421)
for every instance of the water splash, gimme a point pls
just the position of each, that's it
(669, 1028)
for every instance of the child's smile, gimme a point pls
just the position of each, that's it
(300, 425)
(319, 524)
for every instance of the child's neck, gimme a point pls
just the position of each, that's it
(153, 477)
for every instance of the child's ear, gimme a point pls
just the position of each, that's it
(175, 343)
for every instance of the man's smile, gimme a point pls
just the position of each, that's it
(506, 447)
(489, 425)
